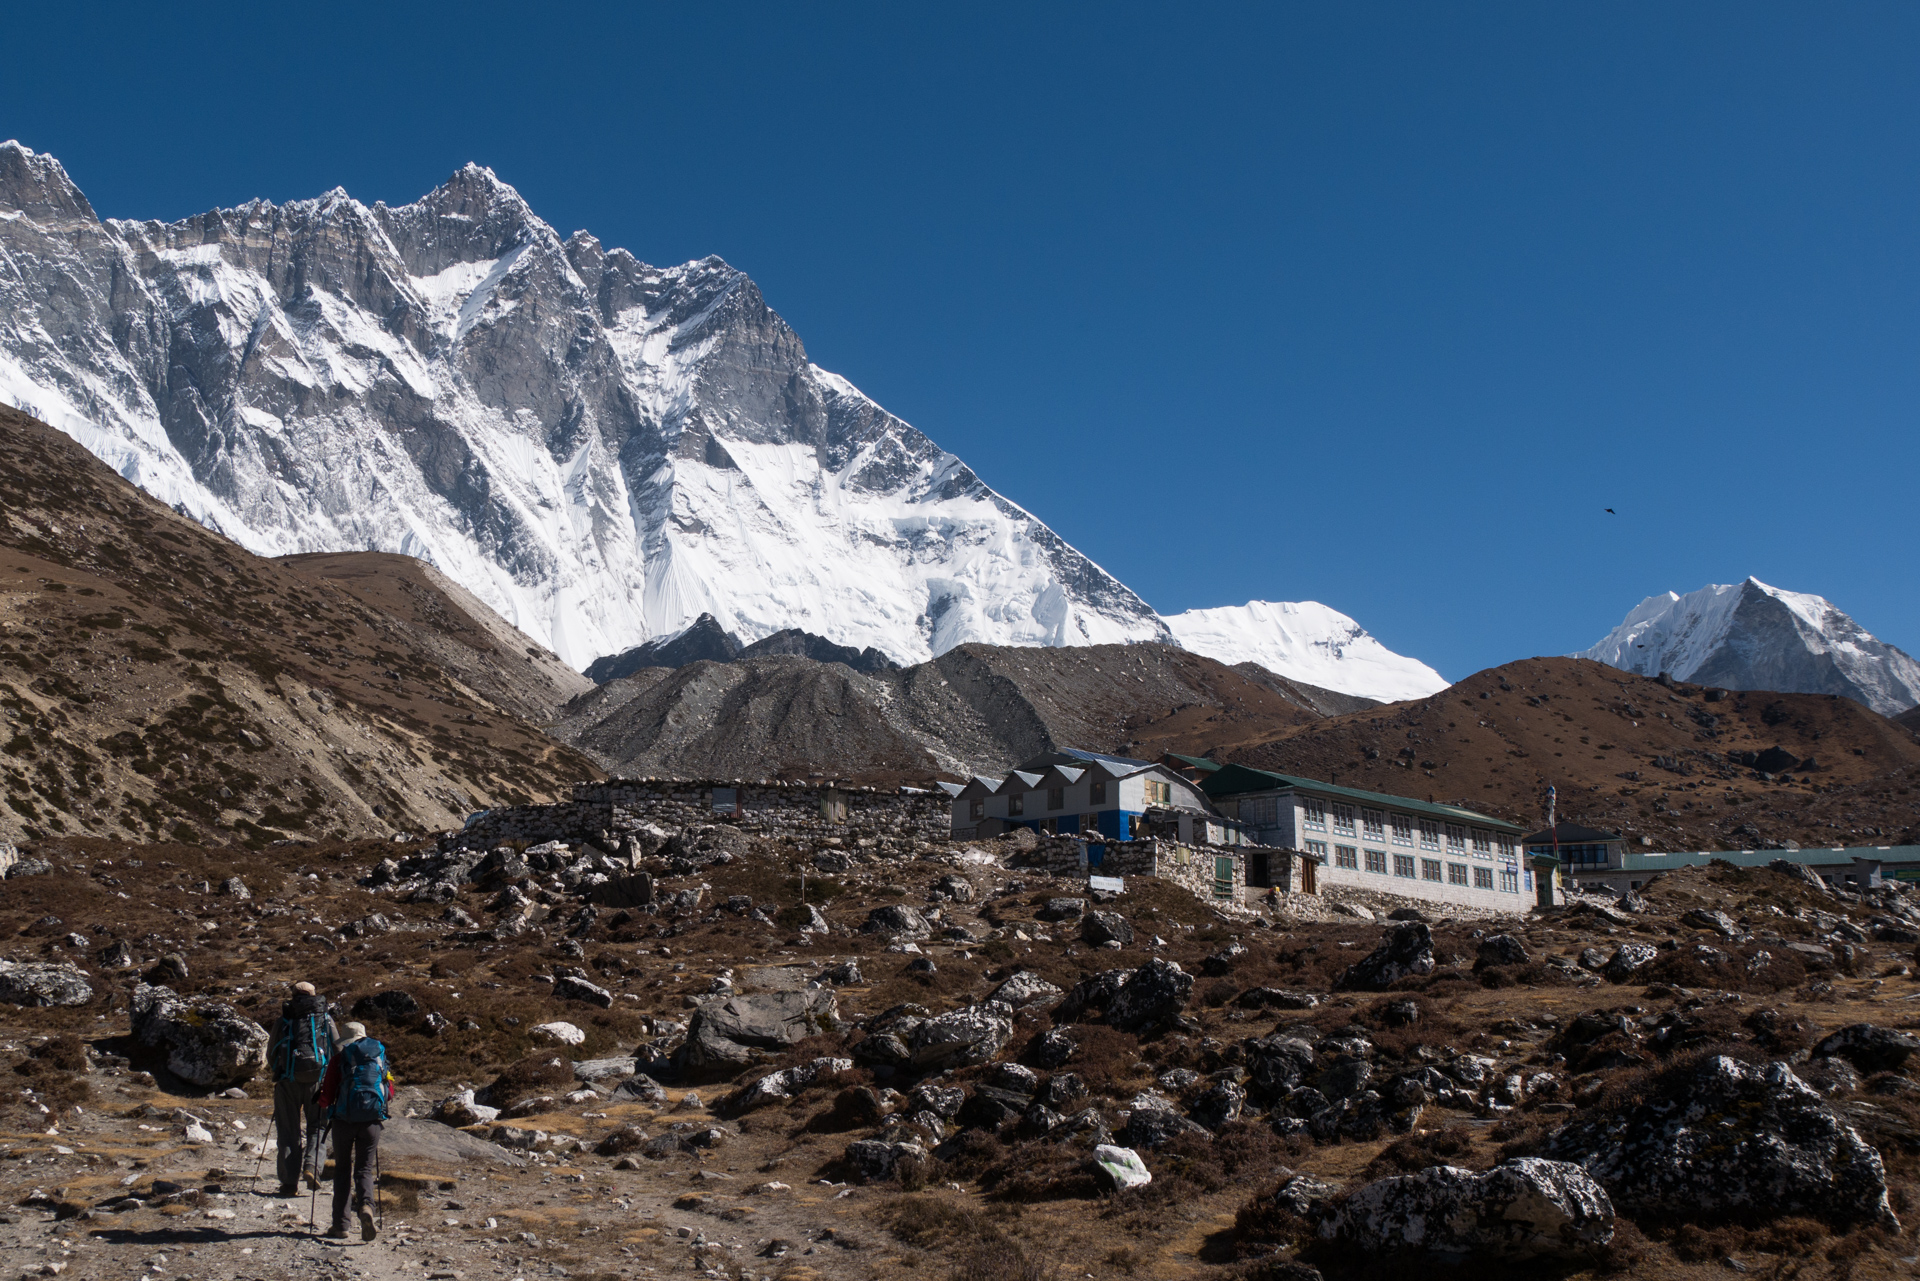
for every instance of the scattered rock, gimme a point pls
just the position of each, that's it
(727, 1035)
(557, 1033)
(1628, 960)
(573, 988)
(876, 1161)
(1525, 1209)
(1120, 1168)
(1054, 1048)
(1105, 927)
(960, 1038)
(1152, 997)
(392, 1006)
(1728, 1139)
(897, 921)
(1869, 1048)
(35, 983)
(1026, 988)
(1406, 951)
(1059, 909)
(1719, 922)
(1500, 949)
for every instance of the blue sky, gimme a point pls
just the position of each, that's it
(1378, 305)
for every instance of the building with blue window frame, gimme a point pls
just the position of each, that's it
(1072, 792)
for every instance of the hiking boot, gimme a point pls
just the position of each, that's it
(287, 1190)
(367, 1231)
(313, 1181)
(338, 1232)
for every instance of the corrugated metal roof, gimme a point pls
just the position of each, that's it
(1198, 762)
(1633, 862)
(1233, 780)
(1047, 758)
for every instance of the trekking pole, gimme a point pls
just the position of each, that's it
(273, 1135)
(313, 1197)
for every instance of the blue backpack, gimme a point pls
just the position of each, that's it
(363, 1083)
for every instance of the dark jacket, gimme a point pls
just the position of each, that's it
(293, 1015)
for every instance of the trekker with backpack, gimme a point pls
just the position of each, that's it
(301, 1043)
(357, 1089)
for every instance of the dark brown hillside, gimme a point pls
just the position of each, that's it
(158, 680)
(1675, 763)
(975, 708)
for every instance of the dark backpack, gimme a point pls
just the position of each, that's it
(306, 1045)
(363, 1082)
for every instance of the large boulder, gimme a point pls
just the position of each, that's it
(778, 1087)
(1105, 927)
(636, 890)
(897, 921)
(1151, 998)
(208, 1042)
(727, 1035)
(1870, 1048)
(1406, 951)
(1501, 949)
(1628, 960)
(876, 1161)
(1026, 988)
(1277, 1064)
(969, 1035)
(1525, 1209)
(1729, 1139)
(1119, 1168)
(1151, 1127)
(1091, 992)
(38, 983)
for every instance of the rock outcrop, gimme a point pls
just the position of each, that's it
(1526, 1209)
(208, 1042)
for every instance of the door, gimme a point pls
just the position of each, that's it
(1307, 883)
(1222, 877)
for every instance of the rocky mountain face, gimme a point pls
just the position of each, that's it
(1685, 765)
(159, 682)
(1754, 637)
(600, 450)
(707, 640)
(975, 708)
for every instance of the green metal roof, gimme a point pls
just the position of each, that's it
(1198, 762)
(1633, 862)
(1235, 780)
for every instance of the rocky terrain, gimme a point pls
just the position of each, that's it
(975, 708)
(934, 1061)
(158, 681)
(1687, 766)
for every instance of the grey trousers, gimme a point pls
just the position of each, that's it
(296, 1127)
(354, 1145)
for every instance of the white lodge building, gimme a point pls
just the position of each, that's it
(1372, 841)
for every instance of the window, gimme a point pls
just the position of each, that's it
(1056, 798)
(1159, 793)
(1510, 878)
(1016, 802)
(1402, 830)
(1429, 834)
(1318, 849)
(1403, 865)
(977, 809)
(1345, 856)
(1261, 811)
(1316, 812)
(1482, 878)
(1429, 869)
(1456, 837)
(1503, 846)
(1456, 873)
(1373, 825)
(1377, 861)
(1097, 791)
(726, 800)
(1482, 844)
(1343, 819)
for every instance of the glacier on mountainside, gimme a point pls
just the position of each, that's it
(1751, 636)
(1308, 642)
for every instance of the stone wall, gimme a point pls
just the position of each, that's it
(885, 822)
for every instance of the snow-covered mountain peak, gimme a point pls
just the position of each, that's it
(1750, 635)
(1308, 642)
(600, 449)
